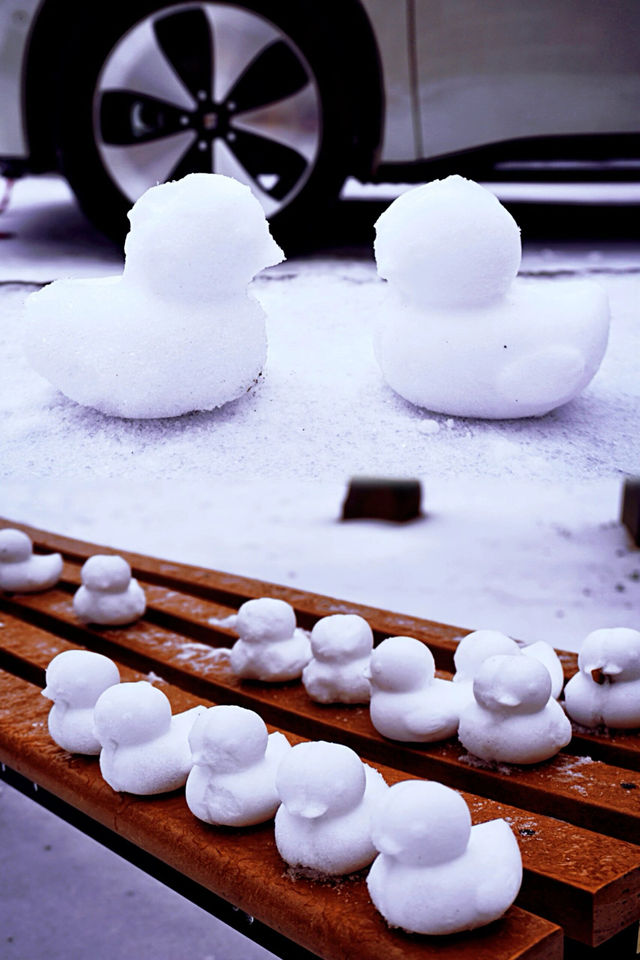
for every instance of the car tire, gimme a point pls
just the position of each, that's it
(258, 90)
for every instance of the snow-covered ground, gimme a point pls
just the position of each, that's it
(521, 531)
(540, 562)
(322, 409)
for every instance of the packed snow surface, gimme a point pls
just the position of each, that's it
(456, 332)
(435, 873)
(319, 310)
(606, 690)
(109, 595)
(513, 717)
(178, 330)
(74, 681)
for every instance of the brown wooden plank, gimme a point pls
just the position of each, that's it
(188, 614)
(244, 867)
(191, 616)
(587, 793)
(588, 882)
(231, 590)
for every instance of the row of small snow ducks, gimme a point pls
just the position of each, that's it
(502, 701)
(431, 873)
(334, 814)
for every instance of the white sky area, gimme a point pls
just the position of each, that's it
(521, 532)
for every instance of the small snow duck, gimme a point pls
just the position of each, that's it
(109, 595)
(408, 702)
(478, 646)
(75, 679)
(606, 690)
(145, 750)
(270, 646)
(22, 570)
(323, 825)
(436, 874)
(513, 717)
(233, 778)
(341, 645)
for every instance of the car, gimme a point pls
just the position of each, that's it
(294, 96)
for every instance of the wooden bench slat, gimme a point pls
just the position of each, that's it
(584, 792)
(177, 642)
(231, 590)
(244, 866)
(569, 872)
(190, 616)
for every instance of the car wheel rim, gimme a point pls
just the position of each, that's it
(208, 87)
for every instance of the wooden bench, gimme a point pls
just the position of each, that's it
(577, 818)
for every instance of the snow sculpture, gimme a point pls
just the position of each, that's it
(270, 646)
(513, 717)
(606, 690)
(478, 646)
(178, 331)
(144, 749)
(408, 702)
(328, 795)
(435, 873)
(233, 778)
(109, 595)
(458, 333)
(75, 680)
(22, 570)
(341, 646)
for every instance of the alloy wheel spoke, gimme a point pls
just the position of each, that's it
(198, 159)
(275, 74)
(138, 167)
(186, 41)
(226, 162)
(293, 122)
(138, 64)
(276, 167)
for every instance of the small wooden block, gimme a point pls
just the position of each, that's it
(631, 508)
(380, 499)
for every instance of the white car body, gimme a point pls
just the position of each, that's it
(456, 75)
(402, 90)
